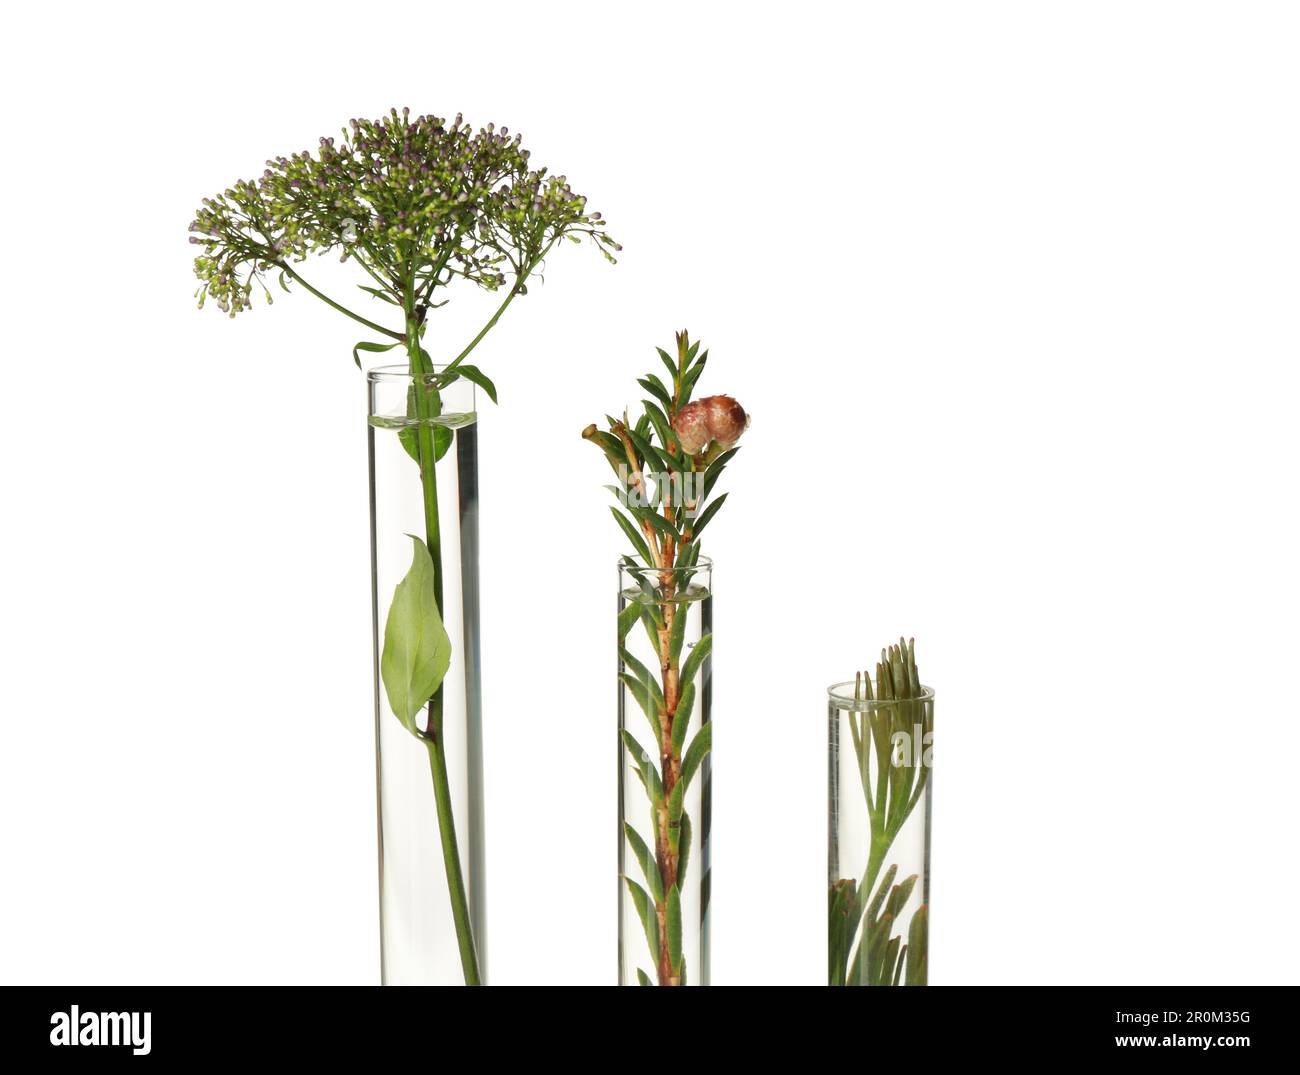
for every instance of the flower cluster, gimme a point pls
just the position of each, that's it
(417, 201)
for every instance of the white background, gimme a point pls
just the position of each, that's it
(1010, 290)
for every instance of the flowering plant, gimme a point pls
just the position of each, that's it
(667, 464)
(416, 204)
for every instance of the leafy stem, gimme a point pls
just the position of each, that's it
(658, 499)
(427, 405)
(891, 729)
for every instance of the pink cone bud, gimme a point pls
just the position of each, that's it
(692, 428)
(712, 418)
(726, 419)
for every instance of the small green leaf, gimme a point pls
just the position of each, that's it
(633, 535)
(628, 617)
(658, 522)
(645, 911)
(611, 446)
(702, 520)
(417, 651)
(699, 747)
(649, 601)
(410, 438)
(678, 635)
(676, 801)
(377, 294)
(655, 387)
(648, 451)
(682, 718)
(673, 925)
(366, 345)
(688, 382)
(918, 947)
(646, 858)
(643, 978)
(473, 373)
(646, 767)
(651, 628)
(683, 848)
(714, 471)
(641, 693)
(660, 421)
(648, 681)
(637, 668)
(669, 364)
(695, 659)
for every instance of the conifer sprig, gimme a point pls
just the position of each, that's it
(666, 465)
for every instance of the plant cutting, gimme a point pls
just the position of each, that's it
(878, 923)
(415, 205)
(666, 465)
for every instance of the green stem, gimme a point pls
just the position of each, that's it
(427, 405)
(451, 859)
(341, 309)
(514, 290)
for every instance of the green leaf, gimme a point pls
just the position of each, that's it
(688, 382)
(673, 926)
(628, 617)
(410, 438)
(366, 345)
(643, 674)
(417, 651)
(643, 978)
(649, 452)
(668, 363)
(473, 373)
(612, 448)
(645, 911)
(660, 421)
(655, 387)
(651, 627)
(647, 860)
(682, 718)
(844, 914)
(683, 848)
(676, 801)
(695, 659)
(699, 747)
(376, 292)
(658, 522)
(641, 693)
(678, 636)
(649, 599)
(918, 947)
(646, 767)
(714, 471)
(633, 535)
(702, 520)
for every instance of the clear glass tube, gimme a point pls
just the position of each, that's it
(665, 701)
(430, 829)
(879, 837)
